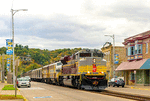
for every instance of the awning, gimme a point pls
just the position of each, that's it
(146, 65)
(134, 65)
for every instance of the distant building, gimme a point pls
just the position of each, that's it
(137, 65)
(107, 49)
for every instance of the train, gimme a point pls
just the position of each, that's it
(85, 69)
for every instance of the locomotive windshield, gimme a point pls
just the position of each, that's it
(85, 54)
(97, 54)
(58, 64)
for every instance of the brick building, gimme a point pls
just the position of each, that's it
(137, 62)
(107, 49)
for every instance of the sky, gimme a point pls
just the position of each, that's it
(58, 24)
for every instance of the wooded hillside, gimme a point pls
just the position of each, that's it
(38, 57)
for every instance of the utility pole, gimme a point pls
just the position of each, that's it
(16, 77)
(113, 69)
(13, 13)
(3, 63)
(113, 55)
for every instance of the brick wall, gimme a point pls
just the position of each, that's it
(146, 55)
(118, 50)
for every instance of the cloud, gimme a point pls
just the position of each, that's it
(57, 24)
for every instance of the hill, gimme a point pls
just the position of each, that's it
(38, 57)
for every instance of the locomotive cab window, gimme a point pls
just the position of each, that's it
(85, 54)
(97, 54)
(58, 64)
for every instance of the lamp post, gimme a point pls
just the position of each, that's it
(13, 13)
(113, 36)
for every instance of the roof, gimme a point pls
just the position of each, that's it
(134, 65)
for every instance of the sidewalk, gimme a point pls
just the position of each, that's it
(9, 92)
(131, 89)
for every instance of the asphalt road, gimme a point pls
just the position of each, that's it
(39, 91)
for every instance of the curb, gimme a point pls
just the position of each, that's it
(23, 96)
(139, 88)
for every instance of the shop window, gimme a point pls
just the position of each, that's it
(139, 75)
(132, 76)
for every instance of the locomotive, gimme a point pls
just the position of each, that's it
(85, 69)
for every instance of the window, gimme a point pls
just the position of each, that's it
(97, 54)
(135, 49)
(139, 49)
(132, 76)
(129, 53)
(58, 63)
(132, 50)
(146, 47)
(107, 56)
(85, 54)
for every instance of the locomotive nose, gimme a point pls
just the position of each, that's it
(95, 83)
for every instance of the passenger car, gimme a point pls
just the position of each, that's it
(23, 82)
(116, 82)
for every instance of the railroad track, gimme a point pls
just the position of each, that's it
(125, 95)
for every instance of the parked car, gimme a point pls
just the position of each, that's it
(116, 82)
(23, 82)
(28, 77)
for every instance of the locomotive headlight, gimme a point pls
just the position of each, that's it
(94, 60)
(88, 72)
(102, 72)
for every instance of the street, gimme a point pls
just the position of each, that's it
(46, 92)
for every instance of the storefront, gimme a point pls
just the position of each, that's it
(136, 72)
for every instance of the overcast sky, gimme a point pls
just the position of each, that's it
(57, 24)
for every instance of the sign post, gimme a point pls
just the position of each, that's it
(134, 77)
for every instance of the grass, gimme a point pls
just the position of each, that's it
(8, 87)
(5, 97)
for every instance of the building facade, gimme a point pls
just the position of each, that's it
(107, 49)
(137, 61)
